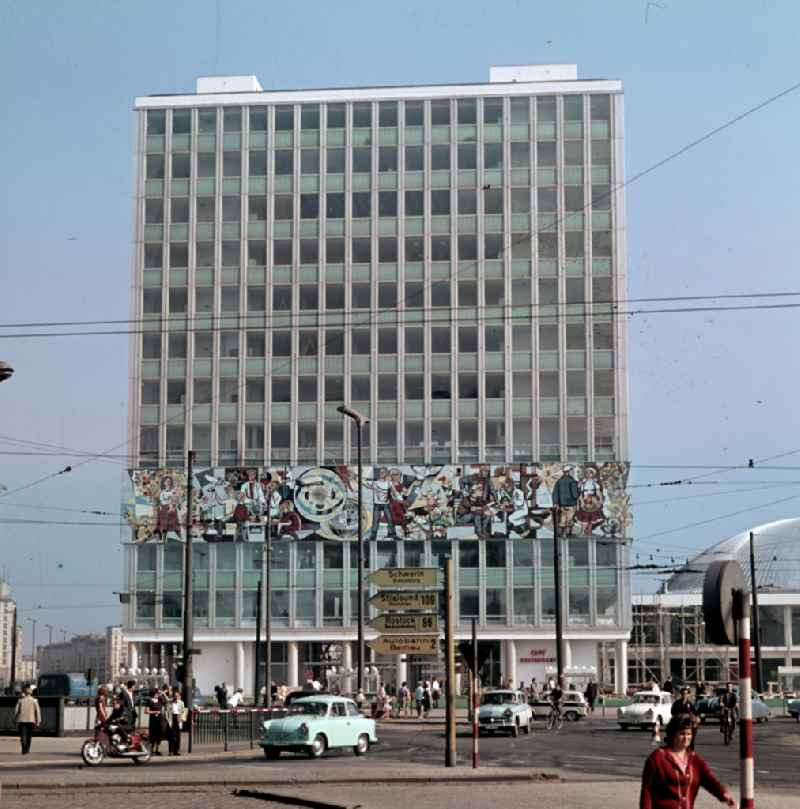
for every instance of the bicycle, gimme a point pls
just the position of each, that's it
(726, 725)
(554, 718)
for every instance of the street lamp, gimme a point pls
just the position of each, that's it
(359, 420)
(6, 371)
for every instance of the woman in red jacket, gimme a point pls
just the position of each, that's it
(673, 774)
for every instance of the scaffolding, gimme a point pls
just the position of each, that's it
(670, 642)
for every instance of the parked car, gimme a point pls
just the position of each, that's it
(573, 706)
(647, 709)
(793, 707)
(316, 723)
(504, 710)
(709, 708)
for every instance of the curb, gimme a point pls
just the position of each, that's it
(432, 779)
(291, 800)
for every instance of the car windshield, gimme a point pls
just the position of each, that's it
(497, 698)
(309, 708)
(646, 699)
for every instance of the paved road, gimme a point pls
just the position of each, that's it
(592, 749)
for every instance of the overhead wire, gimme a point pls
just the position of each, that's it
(529, 237)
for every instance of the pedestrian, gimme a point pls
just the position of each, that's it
(668, 687)
(426, 700)
(221, 695)
(360, 699)
(436, 692)
(177, 716)
(533, 689)
(28, 716)
(590, 694)
(404, 700)
(673, 774)
(419, 698)
(155, 717)
(685, 707)
(236, 699)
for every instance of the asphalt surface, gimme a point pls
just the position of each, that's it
(589, 750)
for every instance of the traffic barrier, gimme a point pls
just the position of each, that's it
(230, 726)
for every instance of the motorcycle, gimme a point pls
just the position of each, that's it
(111, 743)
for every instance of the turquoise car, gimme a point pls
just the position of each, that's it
(316, 723)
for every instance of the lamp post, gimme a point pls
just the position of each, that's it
(359, 419)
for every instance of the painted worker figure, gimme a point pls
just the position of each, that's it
(565, 499)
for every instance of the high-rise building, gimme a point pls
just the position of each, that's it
(445, 260)
(7, 612)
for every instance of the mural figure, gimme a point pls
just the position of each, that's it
(565, 497)
(382, 494)
(590, 501)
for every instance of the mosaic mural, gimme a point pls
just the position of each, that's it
(478, 501)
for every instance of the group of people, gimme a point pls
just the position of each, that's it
(402, 702)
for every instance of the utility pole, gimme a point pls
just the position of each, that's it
(268, 616)
(359, 419)
(559, 617)
(756, 630)
(256, 672)
(475, 695)
(450, 663)
(188, 623)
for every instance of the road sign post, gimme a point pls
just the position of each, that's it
(404, 623)
(405, 644)
(405, 600)
(450, 658)
(405, 577)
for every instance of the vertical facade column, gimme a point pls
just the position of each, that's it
(401, 670)
(621, 667)
(292, 658)
(567, 654)
(511, 662)
(347, 665)
(133, 656)
(238, 665)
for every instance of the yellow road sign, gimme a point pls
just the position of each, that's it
(405, 644)
(405, 600)
(400, 623)
(405, 577)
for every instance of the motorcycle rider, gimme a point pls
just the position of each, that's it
(115, 724)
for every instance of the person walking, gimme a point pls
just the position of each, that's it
(673, 774)
(176, 711)
(404, 701)
(685, 707)
(28, 716)
(426, 700)
(419, 699)
(101, 706)
(590, 694)
(436, 692)
(155, 717)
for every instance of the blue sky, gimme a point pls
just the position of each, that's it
(708, 388)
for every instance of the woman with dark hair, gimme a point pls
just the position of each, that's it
(155, 713)
(674, 773)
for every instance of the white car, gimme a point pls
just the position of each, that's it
(504, 710)
(647, 709)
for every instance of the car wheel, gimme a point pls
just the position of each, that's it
(571, 716)
(527, 727)
(271, 753)
(318, 746)
(362, 745)
(515, 729)
(623, 726)
(702, 719)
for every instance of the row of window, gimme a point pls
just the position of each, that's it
(440, 202)
(359, 249)
(439, 157)
(442, 112)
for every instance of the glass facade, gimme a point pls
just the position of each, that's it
(502, 583)
(447, 266)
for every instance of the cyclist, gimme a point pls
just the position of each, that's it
(556, 695)
(728, 703)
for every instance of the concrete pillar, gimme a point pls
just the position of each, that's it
(347, 664)
(238, 665)
(133, 656)
(621, 667)
(401, 669)
(510, 672)
(292, 653)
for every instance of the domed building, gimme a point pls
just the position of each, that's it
(667, 638)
